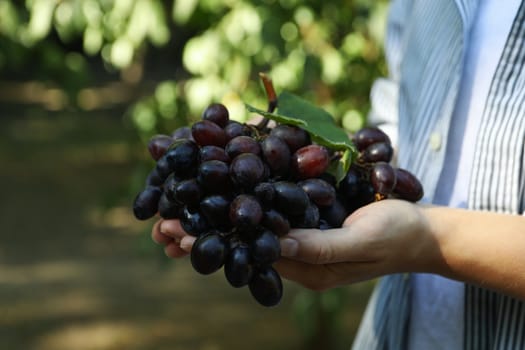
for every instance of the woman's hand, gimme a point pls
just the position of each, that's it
(381, 238)
(170, 234)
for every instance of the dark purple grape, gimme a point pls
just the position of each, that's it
(290, 198)
(214, 176)
(319, 191)
(265, 193)
(216, 209)
(266, 287)
(277, 155)
(309, 219)
(234, 129)
(245, 212)
(208, 253)
(276, 222)
(163, 168)
(216, 113)
(294, 136)
(168, 209)
(265, 248)
(183, 158)
(169, 187)
(368, 136)
(247, 170)
(184, 132)
(335, 214)
(365, 195)
(158, 145)
(238, 267)
(407, 186)
(193, 222)
(154, 179)
(349, 186)
(383, 178)
(208, 133)
(242, 144)
(187, 192)
(146, 202)
(310, 161)
(377, 152)
(213, 153)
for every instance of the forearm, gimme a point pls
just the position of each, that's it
(482, 248)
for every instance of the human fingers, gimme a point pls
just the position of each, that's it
(329, 246)
(157, 236)
(172, 228)
(323, 277)
(186, 243)
(173, 250)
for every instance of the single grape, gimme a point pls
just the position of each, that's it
(242, 144)
(310, 161)
(365, 195)
(158, 145)
(277, 155)
(214, 176)
(193, 222)
(266, 287)
(245, 212)
(216, 113)
(309, 219)
(169, 185)
(238, 267)
(383, 178)
(183, 158)
(213, 153)
(407, 186)
(234, 129)
(247, 170)
(368, 136)
(146, 202)
(290, 198)
(184, 132)
(276, 222)
(216, 209)
(163, 168)
(187, 192)
(294, 136)
(208, 253)
(377, 152)
(349, 186)
(319, 191)
(168, 209)
(266, 248)
(208, 133)
(154, 179)
(335, 214)
(265, 193)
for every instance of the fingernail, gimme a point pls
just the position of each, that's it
(289, 247)
(162, 227)
(186, 243)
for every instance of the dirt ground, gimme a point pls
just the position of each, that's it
(77, 271)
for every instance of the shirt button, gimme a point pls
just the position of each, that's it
(435, 141)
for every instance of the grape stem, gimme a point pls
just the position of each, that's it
(272, 98)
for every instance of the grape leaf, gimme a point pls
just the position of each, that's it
(294, 110)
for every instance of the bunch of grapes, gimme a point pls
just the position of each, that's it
(239, 187)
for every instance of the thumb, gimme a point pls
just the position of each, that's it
(323, 247)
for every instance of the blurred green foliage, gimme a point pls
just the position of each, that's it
(182, 55)
(328, 52)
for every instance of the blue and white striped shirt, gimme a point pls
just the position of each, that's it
(425, 47)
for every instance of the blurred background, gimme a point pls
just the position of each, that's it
(83, 85)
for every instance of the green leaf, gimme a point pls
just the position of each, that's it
(293, 110)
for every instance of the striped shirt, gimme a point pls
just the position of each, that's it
(425, 46)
